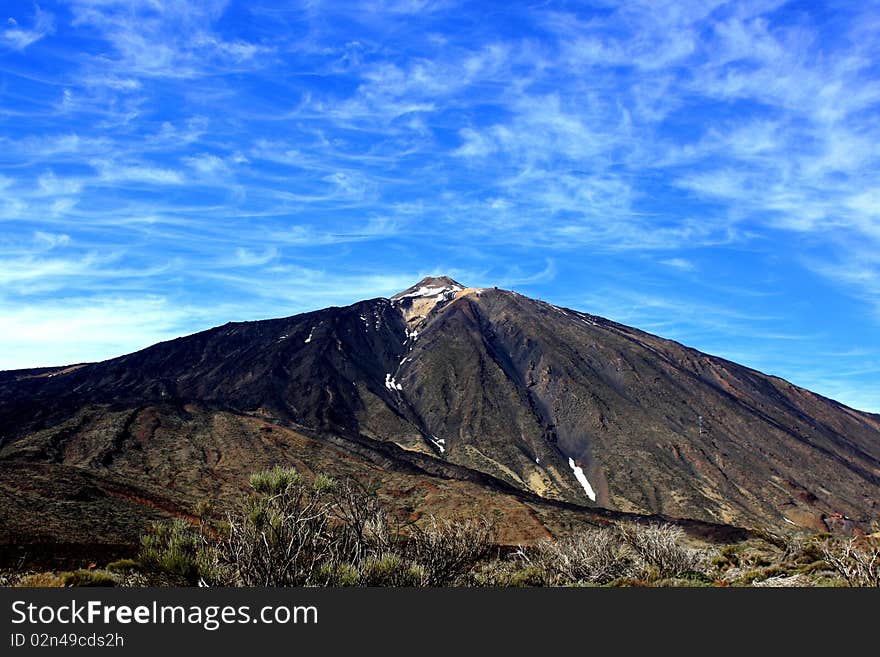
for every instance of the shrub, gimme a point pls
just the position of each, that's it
(177, 553)
(815, 567)
(528, 576)
(660, 551)
(596, 556)
(856, 560)
(123, 566)
(392, 570)
(731, 553)
(502, 573)
(276, 481)
(283, 536)
(628, 582)
(79, 578)
(41, 580)
(337, 574)
(750, 577)
(803, 551)
(783, 581)
(448, 549)
(363, 526)
(684, 582)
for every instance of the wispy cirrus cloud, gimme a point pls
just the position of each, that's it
(163, 38)
(18, 35)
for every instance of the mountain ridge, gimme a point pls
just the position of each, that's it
(550, 401)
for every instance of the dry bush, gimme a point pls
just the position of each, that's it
(363, 526)
(602, 556)
(784, 581)
(856, 559)
(41, 580)
(283, 536)
(448, 549)
(595, 556)
(660, 550)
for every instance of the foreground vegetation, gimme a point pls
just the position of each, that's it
(296, 532)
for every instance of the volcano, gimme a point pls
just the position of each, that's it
(451, 399)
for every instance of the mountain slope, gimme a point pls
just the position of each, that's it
(544, 400)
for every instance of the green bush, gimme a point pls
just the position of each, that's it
(123, 566)
(528, 576)
(342, 574)
(177, 553)
(79, 578)
(682, 582)
(628, 582)
(688, 580)
(730, 555)
(276, 481)
(760, 574)
(391, 570)
(815, 567)
(284, 535)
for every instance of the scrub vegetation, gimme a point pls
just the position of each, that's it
(296, 531)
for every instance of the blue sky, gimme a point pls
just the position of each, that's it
(707, 171)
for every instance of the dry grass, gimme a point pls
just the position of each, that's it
(41, 581)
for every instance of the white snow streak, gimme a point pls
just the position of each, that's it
(790, 522)
(582, 478)
(427, 291)
(391, 384)
(439, 443)
(311, 333)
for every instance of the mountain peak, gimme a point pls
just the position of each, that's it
(431, 286)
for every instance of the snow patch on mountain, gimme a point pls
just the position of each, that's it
(391, 384)
(432, 291)
(582, 479)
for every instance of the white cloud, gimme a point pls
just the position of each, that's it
(679, 263)
(208, 165)
(164, 39)
(475, 144)
(18, 38)
(51, 240)
(250, 258)
(139, 173)
(53, 186)
(71, 330)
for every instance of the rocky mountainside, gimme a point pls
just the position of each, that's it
(447, 386)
